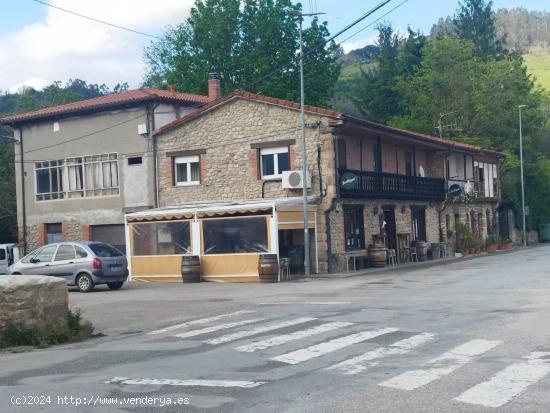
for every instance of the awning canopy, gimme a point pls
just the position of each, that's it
(211, 209)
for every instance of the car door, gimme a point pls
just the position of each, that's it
(63, 264)
(4, 258)
(41, 262)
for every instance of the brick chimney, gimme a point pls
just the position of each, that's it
(214, 86)
(171, 88)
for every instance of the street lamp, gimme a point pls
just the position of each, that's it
(300, 17)
(521, 168)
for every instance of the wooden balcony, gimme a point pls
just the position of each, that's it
(381, 185)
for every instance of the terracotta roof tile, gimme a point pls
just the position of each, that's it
(106, 101)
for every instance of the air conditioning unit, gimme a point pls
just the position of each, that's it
(295, 180)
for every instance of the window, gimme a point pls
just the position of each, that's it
(49, 180)
(104, 250)
(187, 170)
(135, 160)
(53, 233)
(101, 175)
(76, 178)
(79, 177)
(161, 238)
(354, 231)
(418, 215)
(45, 254)
(2, 254)
(273, 162)
(80, 252)
(64, 252)
(235, 235)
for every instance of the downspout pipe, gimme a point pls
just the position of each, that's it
(23, 201)
(151, 127)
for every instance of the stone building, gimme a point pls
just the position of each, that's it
(369, 182)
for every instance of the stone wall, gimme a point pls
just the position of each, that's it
(33, 300)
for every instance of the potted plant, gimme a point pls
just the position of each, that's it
(506, 244)
(491, 243)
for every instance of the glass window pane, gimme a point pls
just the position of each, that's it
(235, 235)
(43, 181)
(80, 252)
(161, 238)
(195, 172)
(104, 250)
(268, 165)
(282, 159)
(114, 174)
(46, 253)
(106, 175)
(65, 252)
(181, 172)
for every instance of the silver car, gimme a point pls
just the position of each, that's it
(84, 264)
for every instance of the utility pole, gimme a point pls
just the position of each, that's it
(300, 16)
(522, 183)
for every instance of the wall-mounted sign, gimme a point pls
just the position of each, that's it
(455, 190)
(349, 181)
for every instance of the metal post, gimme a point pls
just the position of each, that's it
(522, 183)
(304, 153)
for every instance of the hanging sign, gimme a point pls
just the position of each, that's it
(349, 181)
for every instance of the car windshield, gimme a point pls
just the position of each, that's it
(105, 250)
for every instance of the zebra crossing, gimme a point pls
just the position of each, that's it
(245, 332)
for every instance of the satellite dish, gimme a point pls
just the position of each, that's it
(421, 172)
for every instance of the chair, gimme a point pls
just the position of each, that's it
(391, 257)
(414, 255)
(284, 268)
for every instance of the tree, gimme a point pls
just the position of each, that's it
(474, 21)
(243, 41)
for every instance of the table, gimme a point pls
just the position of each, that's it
(354, 255)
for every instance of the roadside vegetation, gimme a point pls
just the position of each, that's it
(73, 329)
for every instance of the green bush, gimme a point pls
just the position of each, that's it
(72, 329)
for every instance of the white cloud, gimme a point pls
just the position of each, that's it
(370, 40)
(64, 46)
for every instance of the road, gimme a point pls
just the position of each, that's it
(472, 336)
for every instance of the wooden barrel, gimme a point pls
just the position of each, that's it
(268, 268)
(421, 250)
(377, 255)
(190, 269)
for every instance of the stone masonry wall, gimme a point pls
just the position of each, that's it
(33, 300)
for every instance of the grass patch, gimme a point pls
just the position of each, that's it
(74, 328)
(539, 65)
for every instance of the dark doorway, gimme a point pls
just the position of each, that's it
(291, 246)
(390, 230)
(418, 215)
(354, 230)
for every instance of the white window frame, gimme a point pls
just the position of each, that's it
(67, 191)
(59, 168)
(275, 152)
(186, 160)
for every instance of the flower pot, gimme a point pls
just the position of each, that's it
(492, 248)
(508, 245)
(466, 252)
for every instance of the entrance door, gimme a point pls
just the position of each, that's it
(390, 229)
(354, 230)
(418, 215)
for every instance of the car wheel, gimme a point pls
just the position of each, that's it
(115, 285)
(85, 283)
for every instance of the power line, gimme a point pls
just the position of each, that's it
(96, 20)
(318, 46)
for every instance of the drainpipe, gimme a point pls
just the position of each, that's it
(23, 202)
(151, 127)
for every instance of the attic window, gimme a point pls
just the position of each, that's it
(135, 160)
(56, 126)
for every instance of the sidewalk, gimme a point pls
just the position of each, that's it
(414, 265)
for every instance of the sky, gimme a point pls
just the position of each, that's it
(39, 44)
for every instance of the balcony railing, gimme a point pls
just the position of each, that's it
(476, 189)
(366, 184)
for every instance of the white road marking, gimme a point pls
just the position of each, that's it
(285, 338)
(445, 364)
(191, 382)
(201, 321)
(318, 350)
(307, 303)
(258, 330)
(360, 363)
(508, 383)
(218, 327)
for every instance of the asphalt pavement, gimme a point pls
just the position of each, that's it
(470, 336)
